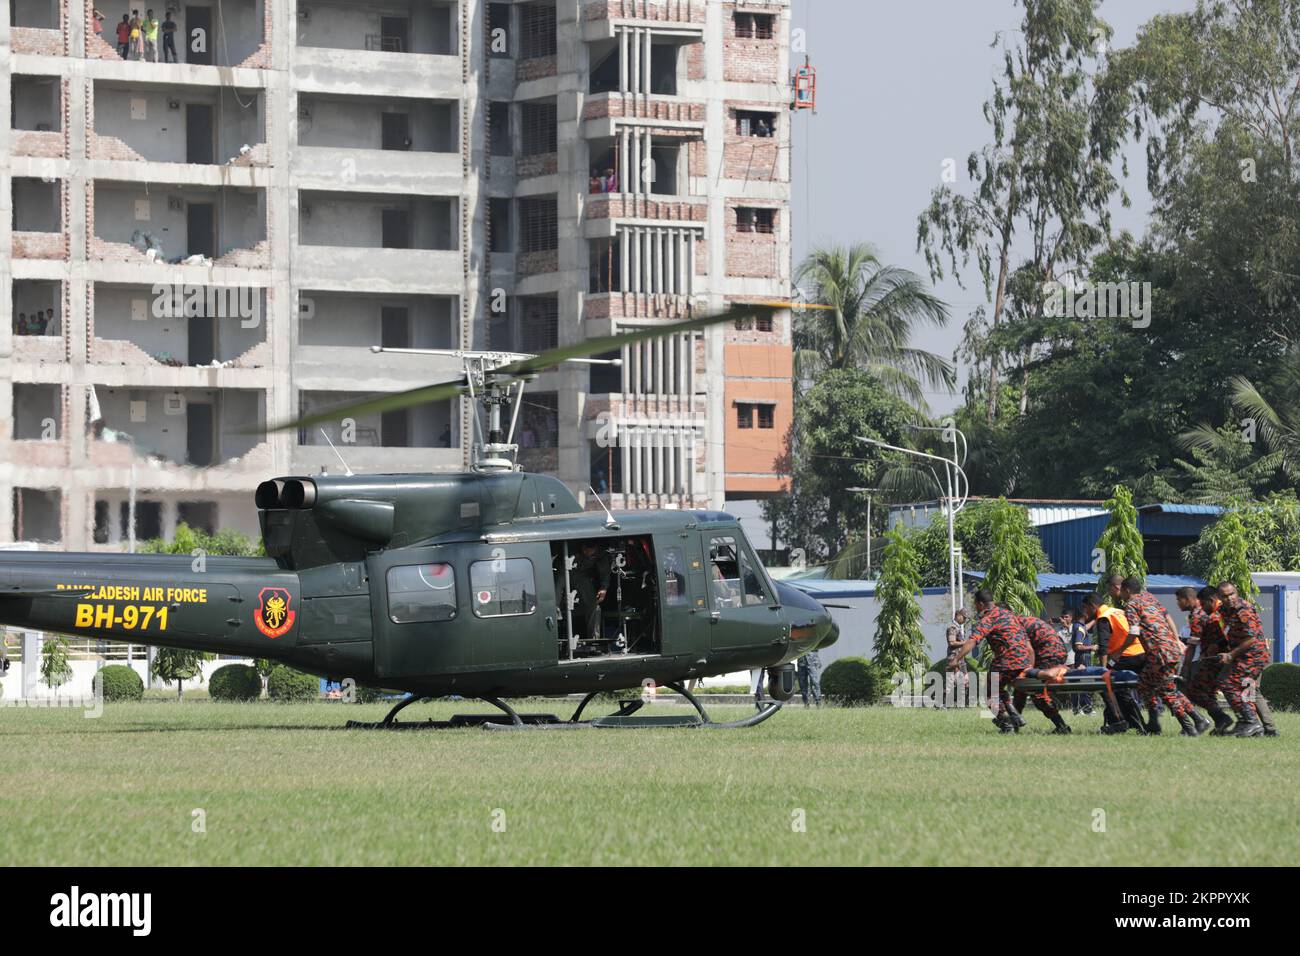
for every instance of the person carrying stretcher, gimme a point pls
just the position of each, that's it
(1049, 652)
(1116, 651)
(1204, 631)
(1150, 623)
(1012, 654)
(1242, 660)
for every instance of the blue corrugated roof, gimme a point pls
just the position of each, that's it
(1174, 508)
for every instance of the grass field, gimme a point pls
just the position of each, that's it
(284, 784)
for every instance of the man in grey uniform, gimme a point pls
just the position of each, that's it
(809, 672)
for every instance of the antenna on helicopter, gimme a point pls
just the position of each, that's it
(610, 522)
(346, 469)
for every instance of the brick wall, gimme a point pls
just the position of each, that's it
(258, 257)
(40, 245)
(753, 158)
(535, 69)
(630, 305)
(668, 109)
(537, 263)
(43, 143)
(696, 65)
(618, 206)
(751, 60)
(752, 254)
(675, 11)
(543, 164)
(37, 41)
(260, 59)
(100, 46)
(110, 147)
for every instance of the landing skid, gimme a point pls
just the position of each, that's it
(627, 716)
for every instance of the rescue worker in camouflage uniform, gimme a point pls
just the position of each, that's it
(1049, 651)
(809, 671)
(1151, 624)
(1204, 631)
(1012, 655)
(1243, 660)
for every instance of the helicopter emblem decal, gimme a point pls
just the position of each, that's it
(272, 616)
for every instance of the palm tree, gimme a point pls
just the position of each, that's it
(875, 308)
(1275, 417)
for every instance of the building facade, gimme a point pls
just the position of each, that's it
(315, 193)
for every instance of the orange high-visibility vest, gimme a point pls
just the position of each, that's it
(1118, 632)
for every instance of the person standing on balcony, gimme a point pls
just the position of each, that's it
(169, 38)
(137, 36)
(124, 37)
(150, 30)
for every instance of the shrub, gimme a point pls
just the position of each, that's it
(1280, 683)
(854, 680)
(971, 661)
(235, 682)
(121, 683)
(285, 683)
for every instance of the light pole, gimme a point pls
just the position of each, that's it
(868, 492)
(952, 469)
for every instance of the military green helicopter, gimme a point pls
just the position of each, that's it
(464, 584)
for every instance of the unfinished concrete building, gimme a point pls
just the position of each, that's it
(193, 249)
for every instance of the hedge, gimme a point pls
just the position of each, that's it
(854, 680)
(235, 682)
(285, 683)
(1280, 683)
(120, 683)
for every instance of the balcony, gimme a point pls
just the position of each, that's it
(601, 16)
(378, 243)
(35, 28)
(376, 143)
(204, 135)
(412, 439)
(180, 225)
(151, 335)
(37, 117)
(364, 46)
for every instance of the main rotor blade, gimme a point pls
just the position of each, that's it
(610, 343)
(388, 402)
(395, 401)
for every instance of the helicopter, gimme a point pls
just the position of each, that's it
(490, 584)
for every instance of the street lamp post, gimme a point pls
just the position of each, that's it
(952, 472)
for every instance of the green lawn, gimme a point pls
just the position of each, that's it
(284, 784)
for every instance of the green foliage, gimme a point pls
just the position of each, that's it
(876, 310)
(1226, 468)
(285, 683)
(56, 669)
(1121, 542)
(899, 643)
(973, 530)
(1272, 533)
(178, 664)
(1227, 540)
(1280, 683)
(825, 457)
(1012, 574)
(235, 682)
(120, 683)
(853, 681)
(189, 541)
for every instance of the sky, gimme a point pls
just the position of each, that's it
(900, 88)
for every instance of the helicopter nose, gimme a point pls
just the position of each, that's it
(817, 627)
(828, 630)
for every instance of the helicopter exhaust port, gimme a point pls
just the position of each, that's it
(780, 682)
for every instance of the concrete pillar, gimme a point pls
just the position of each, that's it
(622, 60)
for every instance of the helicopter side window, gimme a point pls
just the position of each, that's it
(735, 581)
(674, 577)
(421, 592)
(503, 587)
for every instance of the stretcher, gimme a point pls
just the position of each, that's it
(1085, 680)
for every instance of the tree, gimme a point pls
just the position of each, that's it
(1271, 529)
(1043, 183)
(900, 645)
(973, 531)
(179, 665)
(824, 457)
(1227, 538)
(1012, 574)
(1121, 543)
(56, 670)
(1226, 468)
(876, 309)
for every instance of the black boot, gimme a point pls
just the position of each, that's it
(1118, 727)
(1202, 725)
(1189, 726)
(1222, 722)
(1014, 718)
(1248, 724)
(1061, 726)
(1153, 722)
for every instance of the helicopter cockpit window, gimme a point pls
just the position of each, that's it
(735, 580)
(503, 587)
(421, 592)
